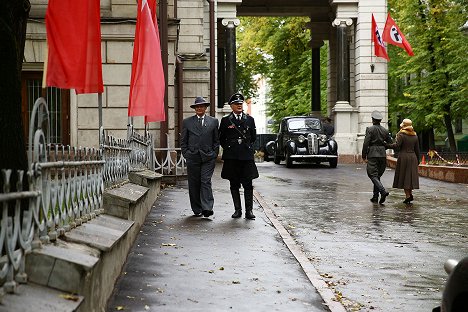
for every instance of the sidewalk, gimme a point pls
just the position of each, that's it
(183, 263)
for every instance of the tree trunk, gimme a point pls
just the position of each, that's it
(450, 135)
(431, 139)
(13, 19)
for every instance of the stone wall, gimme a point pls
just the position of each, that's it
(443, 173)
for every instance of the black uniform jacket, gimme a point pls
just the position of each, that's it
(237, 137)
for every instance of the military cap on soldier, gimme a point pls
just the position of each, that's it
(376, 115)
(236, 98)
(200, 101)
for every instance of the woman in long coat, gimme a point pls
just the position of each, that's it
(406, 171)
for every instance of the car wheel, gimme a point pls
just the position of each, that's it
(277, 159)
(288, 160)
(333, 162)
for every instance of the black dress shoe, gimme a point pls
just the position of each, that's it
(249, 215)
(237, 214)
(197, 214)
(408, 200)
(207, 213)
(374, 199)
(383, 197)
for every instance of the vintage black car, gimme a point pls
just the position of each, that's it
(302, 139)
(261, 142)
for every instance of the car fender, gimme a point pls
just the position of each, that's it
(291, 147)
(270, 147)
(333, 146)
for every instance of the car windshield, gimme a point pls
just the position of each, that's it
(303, 124)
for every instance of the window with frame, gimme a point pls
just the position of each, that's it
(58, 102)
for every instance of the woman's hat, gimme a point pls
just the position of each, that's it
(406, 123)
(200, 101)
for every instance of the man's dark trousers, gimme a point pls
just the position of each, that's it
(375, 169)
(199, 179)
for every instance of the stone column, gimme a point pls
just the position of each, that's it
(230, 45)
(342, 110)
(342, 59)
(315, 108)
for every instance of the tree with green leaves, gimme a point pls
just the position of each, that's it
(278, 49)
(431, 87)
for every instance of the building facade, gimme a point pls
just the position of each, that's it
(198, 52)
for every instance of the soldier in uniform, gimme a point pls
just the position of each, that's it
(237, 133)
(373, 152)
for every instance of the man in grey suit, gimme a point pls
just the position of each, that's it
(200, 147)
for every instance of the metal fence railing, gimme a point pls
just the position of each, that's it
(65, 188)
(169, 162)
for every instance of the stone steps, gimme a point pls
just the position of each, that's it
(87, 261)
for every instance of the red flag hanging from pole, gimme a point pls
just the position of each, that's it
(379, 48)
(147, 84)
(74, 45)
(393, 35)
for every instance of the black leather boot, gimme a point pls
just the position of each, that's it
(381, 188)
(237, 203)
(375, 197)
(248, 196)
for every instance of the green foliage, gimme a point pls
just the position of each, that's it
(430, 87)
(278, 49)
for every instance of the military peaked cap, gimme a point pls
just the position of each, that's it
(236, 98)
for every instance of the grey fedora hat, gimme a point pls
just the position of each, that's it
(200, 101)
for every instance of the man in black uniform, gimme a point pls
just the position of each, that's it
(237, 133)
(373, 152)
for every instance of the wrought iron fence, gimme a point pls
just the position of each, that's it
(116, 154)
(169, 162)
(66, 186)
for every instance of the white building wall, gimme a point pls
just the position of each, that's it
(371, 87)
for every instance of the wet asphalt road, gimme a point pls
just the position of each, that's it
(378, 257)
(183, 263)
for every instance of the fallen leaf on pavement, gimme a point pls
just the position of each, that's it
(70, 297)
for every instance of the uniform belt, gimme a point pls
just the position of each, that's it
(239, 141)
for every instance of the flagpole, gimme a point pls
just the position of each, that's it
(100, 115)
(372, 66)
(44, 72)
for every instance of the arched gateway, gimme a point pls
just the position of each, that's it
(354, 88)
(198, 47)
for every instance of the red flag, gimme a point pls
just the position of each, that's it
(74, 42)
(393, 35)
(147, 83)
(379, 48)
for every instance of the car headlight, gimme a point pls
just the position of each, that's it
(301, 138)
(323, 138)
